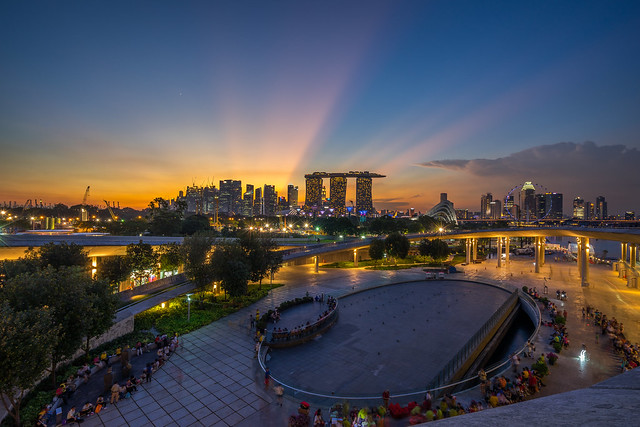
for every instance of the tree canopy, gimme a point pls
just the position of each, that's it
(397, 245)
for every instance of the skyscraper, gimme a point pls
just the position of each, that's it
(589, 210)
(553, 203)
(270, 200)
(527, 201)
(364, 200)
(601, 208)
(258, 203)
(230, 196)
(292, 196)
(495, 208)
(247, 201)
(313, 194)
(578, 208)
(338, 194)
(485, 205)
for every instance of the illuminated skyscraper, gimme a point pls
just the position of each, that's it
(364, 200)
(578, 208)
(230, 196)
(270, 200)
(258, 202)
(292, 196)
(313, 194)
(338, 194)
(247, 201)
(528, 201)
(485, 205)
(601, 208)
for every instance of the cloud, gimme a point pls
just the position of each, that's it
(575, 169)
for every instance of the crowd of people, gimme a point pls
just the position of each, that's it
(113, 391)
(614, 330)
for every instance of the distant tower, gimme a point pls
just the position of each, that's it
(601, 208)
(578, 208)
(292, 195)
(338, 194)
(528, 201)
(313, 194)
(364, 200)
(485, 205)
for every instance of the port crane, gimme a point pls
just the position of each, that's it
(84, 215)
(113, 216)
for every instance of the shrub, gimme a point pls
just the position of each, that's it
(557, 346)
(525, 289)
(29, 412)
(560, 319)
(541, 368)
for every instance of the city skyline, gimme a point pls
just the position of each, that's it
(455, 97)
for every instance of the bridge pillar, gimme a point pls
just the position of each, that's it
(537, 246)
(507, 243)
(499, 251)
(583, 260)
(468, 246)
(623, 251)
(543, 245)
(355, 257)
(317, 262)
(475, 248)
(632, 255)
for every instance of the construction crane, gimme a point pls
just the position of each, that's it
(113, 216)
(84, 215)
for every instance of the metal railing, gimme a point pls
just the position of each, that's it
(299, 336)
(461, 357)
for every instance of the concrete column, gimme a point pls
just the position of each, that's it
(355, 257)
(537, 253)
(317, 257)
(468, 245)
(583, 247)
(623, 251)
(542, 246)
(475, 248)
(499, 252)
(632, 255)
(507, 244)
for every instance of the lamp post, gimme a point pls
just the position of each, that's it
(189, 307)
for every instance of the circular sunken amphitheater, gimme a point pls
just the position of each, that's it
(395, 337)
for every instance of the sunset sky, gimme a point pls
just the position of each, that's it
(140, 99)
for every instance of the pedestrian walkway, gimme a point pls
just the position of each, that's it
(214, 379)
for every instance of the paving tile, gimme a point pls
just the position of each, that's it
(194, 406)
(224, 412)
(139, 422)
(173, 406)
(233, 418)
(132, 415)
(215, 405)
(201, 413)
(178, 413)
(185, 420)
(156, 414)
(246, 411)
(165, 400)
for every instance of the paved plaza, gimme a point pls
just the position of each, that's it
(214, 379)
(394, 337)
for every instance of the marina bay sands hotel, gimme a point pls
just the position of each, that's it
(338, 191)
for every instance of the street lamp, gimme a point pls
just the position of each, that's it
(189, 307)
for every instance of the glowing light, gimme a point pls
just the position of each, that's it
(583, 355)
(163, 305)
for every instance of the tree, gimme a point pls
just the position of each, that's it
(376, 249)
(103, 302)
(397, 245)
(141, 258)
(194, 224)
(170, 256)
(196, 253)
(438, 250)
(26, 340)
(62, 254)
(113, 269)
(162, 220)
(261, 256)
(424, 248)
(231, 268)
(64, 291)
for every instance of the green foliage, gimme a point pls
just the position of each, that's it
(113, 269)
(435, 248)
(173, 318)
(541, 368)
(231, 268)
(557, 346)
(131, 227)
(335, 226)
(170, 256)
(29, 413)
(196, 252)
(376, 249)
(62, 255)
(194, 224)
(397, 245)
(525, 289)
(560, 319)
(25, 343)
(103, 302)
(162, 220)
(141, 257)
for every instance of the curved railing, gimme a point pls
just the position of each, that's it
(530, 306)
(299, 336)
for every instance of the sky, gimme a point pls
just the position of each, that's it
(140, 99)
